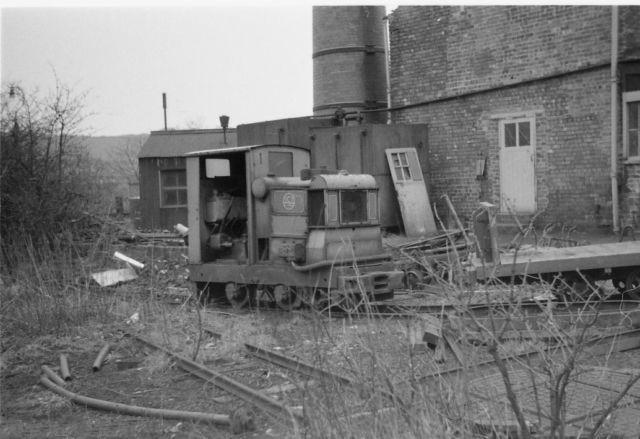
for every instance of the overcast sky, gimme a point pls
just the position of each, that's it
(251, 62)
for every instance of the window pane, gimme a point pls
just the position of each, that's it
(509, 134)
(182, 197)
(167, 178)
(633, 114)
(524, 135)
(170, 198)
(181, 178)
(399, 174)
(632, 82)
(633, 143)
(281, 163)
(403, 159)
(353, 206)
(316, 208)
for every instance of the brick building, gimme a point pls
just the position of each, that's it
(518, 104)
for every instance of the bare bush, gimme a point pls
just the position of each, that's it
(47, 180)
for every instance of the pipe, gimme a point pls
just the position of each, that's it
(614, 119)
(64, 368)
(327, 263)
(52, 375)
(134, 410)
(128, 260)
(387, 63)
(100, 358)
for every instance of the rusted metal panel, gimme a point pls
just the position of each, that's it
(411, 190)
(294, 131)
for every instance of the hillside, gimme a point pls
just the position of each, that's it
(108, 148)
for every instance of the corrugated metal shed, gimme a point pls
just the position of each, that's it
(176, 143)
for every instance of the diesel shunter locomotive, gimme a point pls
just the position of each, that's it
(263, 226)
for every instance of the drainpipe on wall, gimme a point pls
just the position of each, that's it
(614, 119)
(386, 64)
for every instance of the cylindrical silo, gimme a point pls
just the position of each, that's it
(349, 69)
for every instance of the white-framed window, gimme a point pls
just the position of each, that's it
(173, 188)
(518, 132)
(631, 125)
(405, 166)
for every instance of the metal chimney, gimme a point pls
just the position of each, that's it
(349, 65)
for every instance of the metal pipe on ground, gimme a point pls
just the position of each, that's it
(54, 377)
(133, 410)
(64, 368)
(101, 356)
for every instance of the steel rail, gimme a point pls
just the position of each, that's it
(304, 368)
(242, 391)
(623, 341)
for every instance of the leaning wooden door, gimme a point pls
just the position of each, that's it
(411, 190)
(517, 170)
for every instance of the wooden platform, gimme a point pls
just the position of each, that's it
(553, 260)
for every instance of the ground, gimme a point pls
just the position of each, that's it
(377, 352)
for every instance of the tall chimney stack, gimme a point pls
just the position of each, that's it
(349, 62)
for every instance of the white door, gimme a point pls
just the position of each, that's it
(517, 170)
(413, 199)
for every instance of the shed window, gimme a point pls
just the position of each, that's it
(173, 188)
(631, 122)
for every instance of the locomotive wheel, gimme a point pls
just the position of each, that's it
(620, 284)
(577, 286)
(413, 279)
(632, 284)
(237, 295)
(286, 297)
(320, 300)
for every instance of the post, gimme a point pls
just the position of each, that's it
(164, 109)
(614, 119)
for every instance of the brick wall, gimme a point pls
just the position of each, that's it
(444, 50)
(551, 61)
(572, 149)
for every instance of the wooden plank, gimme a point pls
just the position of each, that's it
(553, 260)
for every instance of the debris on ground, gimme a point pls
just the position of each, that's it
(113, 277)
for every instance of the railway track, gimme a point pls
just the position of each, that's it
(611, 310)
(290, 416)
(252, 396)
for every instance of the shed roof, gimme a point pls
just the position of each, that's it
(176, 143)
(226, 150)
